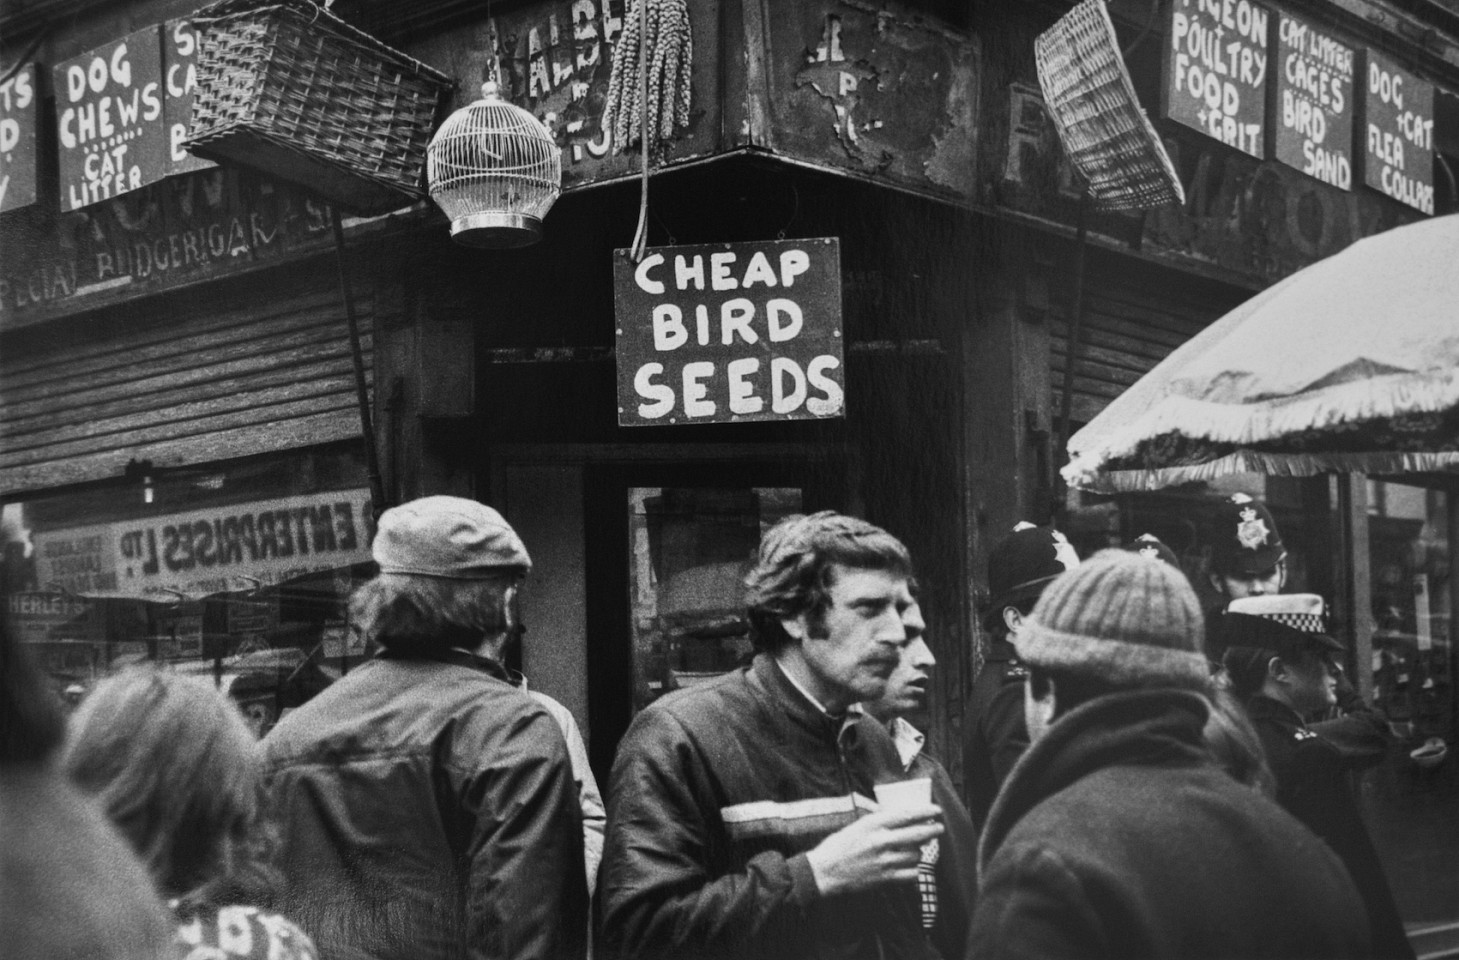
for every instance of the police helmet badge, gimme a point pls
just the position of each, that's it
(1252, 531)
(1064, 551)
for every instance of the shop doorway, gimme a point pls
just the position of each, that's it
(667, 549)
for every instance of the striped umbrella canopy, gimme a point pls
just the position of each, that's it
(1351, 364)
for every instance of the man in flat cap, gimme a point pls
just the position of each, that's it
(741, 818)
(1283, 666)
(994, 735)
(427, 806)
(1117, 834)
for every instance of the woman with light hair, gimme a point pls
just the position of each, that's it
(176, 768)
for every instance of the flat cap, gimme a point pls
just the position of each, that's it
(448, 537)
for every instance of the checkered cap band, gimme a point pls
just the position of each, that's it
(1300, 611)
(1306, 622)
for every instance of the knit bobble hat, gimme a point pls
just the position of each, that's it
(1121, 619)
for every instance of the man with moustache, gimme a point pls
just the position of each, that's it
(740, 818)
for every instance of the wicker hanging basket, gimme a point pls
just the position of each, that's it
(289, 89)
(1103, 129)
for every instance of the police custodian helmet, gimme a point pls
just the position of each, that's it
(1024, 562)
(1244, 538)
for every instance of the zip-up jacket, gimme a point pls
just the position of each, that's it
(428, 811)
(716, 795)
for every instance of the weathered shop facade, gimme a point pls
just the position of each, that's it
(178, 420)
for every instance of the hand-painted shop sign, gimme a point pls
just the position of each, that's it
(18, 98)
(180, 79)
(1215, 71)
(181, 231)
(110, 131)
(201, 552)
(730, 332)
(1398, 141)
(1314, 102)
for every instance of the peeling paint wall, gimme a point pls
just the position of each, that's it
(874, 91)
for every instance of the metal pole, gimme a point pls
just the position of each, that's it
(1072, 347)
(362, 394)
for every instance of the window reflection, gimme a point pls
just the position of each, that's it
(1408, 548)
(690, 550)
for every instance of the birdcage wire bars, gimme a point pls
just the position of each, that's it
(495, 170)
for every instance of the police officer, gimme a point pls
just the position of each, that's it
(1282, 666)
(1247, 555)
(994, 732)
(1152, 547)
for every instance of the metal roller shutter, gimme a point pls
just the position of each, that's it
(1126, 330)
(178, 386)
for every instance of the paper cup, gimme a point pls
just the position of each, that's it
(904, 793)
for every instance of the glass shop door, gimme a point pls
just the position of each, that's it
(668, 547)
(690, 550)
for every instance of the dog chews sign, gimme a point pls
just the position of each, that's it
(730, 332)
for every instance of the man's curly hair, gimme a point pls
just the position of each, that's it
(793, 575)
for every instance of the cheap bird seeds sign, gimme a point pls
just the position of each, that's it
(729, 332)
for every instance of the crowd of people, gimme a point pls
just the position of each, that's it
(1143, 778)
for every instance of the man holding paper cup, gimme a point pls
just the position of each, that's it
(740, 814)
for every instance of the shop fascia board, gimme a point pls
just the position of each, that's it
(1182, 264)
(21, 20)
(772, 155)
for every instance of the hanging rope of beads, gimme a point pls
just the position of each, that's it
(661, 42)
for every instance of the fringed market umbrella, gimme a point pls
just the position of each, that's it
(1351, 364)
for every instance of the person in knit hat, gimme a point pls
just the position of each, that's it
(1229, 734)
(1020, 566)
(428, 807)
(1117, 834)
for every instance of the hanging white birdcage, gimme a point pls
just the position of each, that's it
(495, 171)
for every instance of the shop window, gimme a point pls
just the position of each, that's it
(690, 550)
(1408, 553)
(238, 571)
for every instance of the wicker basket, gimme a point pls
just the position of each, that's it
(1105, 133)
(291, 90)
